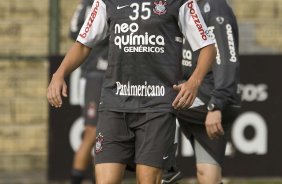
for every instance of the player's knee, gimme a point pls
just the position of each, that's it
(148, 175)
(106, 181)
(201, 175)
(148, 180)
(208, 174)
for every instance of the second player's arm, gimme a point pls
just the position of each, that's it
(225, 71)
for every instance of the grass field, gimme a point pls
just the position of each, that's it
(230, 181)
(41, 178)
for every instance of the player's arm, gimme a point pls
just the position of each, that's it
(57, 87)
(93, 30)
(189, 89)
(226, 69)
(225, 72)
(194, 29)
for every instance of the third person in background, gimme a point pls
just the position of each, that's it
(208, 121)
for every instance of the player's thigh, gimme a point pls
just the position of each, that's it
(192, 124)
(212, 151)
(108, 173)
(203, 156)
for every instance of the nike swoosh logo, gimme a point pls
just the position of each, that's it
(165, 157)
(120, 7)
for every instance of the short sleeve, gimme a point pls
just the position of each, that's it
(95, 26)
(193, 26)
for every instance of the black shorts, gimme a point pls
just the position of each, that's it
(135, 138)
(192, 124)
(92, 95)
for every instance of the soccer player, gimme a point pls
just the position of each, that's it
(140, 92)
(92, 73)
(209, 120)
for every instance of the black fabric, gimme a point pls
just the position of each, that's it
(77, 176)
(140, 138)
(192, 124)
(93, 85)
(144, 69)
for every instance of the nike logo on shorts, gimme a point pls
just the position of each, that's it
(165, 157)
(120, 7)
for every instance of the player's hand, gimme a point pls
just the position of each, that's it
(213, 124)
(56, 88)
(187, 92)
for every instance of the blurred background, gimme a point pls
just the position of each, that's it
(34, 33)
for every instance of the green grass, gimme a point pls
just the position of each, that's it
(40, 178)
(228, 181)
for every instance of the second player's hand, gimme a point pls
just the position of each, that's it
(213, 124)
(187, 93)
(56, 89)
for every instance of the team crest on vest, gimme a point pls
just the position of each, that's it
(220, 20)
(99, 143)
(91, 110)
(160, 7)
(207, 8)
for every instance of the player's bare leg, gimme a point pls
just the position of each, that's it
(109, 173)
(83, 156)
(208, 174)
(148, 175)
